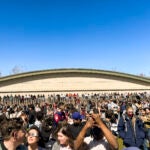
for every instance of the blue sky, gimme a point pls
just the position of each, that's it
(96, 34)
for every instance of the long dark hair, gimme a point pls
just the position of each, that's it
(40, 142)
(67, 132)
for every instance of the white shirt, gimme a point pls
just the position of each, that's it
(96, 145)
(37, 109)
(65, 148)
(38, 124)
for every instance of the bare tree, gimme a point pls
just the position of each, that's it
(142, 75)
(17, 69)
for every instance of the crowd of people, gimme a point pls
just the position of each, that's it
(92, 121)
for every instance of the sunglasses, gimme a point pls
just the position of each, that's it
(33, 134)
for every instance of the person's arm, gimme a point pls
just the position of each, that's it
(121, 128)
(107, 133)
(80, 138)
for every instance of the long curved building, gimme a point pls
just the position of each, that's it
(72, 80)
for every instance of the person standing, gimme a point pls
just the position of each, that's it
(131, 129)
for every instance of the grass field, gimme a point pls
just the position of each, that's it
(120, 143)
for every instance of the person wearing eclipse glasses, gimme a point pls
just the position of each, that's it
(34, 139)
(131, 129)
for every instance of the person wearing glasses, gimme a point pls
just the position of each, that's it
(34, 139)
(131, 129)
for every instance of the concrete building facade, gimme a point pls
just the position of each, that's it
(72, 80)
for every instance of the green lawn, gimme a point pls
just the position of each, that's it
(120, 143)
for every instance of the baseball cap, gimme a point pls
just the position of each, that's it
(76, 115)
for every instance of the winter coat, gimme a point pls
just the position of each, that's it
(132, 135)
